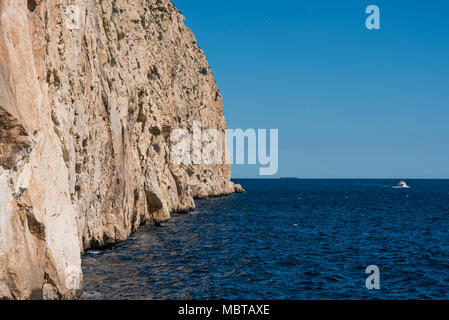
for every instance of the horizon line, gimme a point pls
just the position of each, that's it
(298, 178)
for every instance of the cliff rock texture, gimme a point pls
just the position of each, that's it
(90, 91)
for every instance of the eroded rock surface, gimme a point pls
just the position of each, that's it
(89, 94)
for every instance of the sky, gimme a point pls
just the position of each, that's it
(348, 102)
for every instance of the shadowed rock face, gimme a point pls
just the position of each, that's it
(15, 143)
(89, 95)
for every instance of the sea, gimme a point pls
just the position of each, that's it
(288, 239)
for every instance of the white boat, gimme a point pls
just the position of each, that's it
(402, 185)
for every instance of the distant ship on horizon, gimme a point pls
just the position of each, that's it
(402, 185)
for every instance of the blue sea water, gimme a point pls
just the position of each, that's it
(288, 239)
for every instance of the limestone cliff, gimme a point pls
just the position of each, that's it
(89, 93)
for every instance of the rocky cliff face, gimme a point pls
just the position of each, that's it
(90, 91)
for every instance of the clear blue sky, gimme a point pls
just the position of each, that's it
(348, 102)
